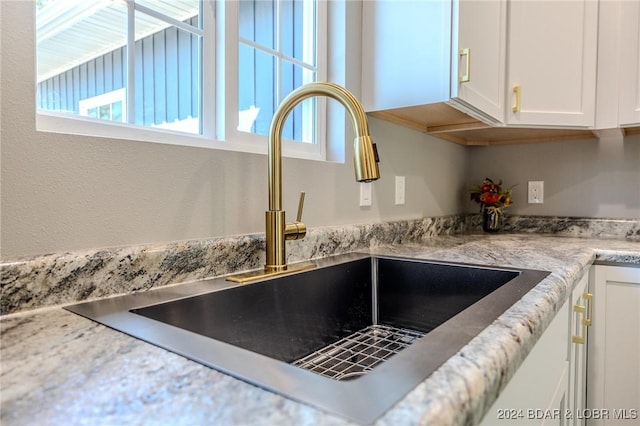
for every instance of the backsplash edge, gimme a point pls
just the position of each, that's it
(61, 278)
(70, 277)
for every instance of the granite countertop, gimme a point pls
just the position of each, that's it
(60, 368)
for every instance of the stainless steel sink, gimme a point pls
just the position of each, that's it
(352, 336)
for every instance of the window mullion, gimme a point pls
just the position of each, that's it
(279, 54)
(301, 35)
(278, 32)
(309, 34)
(131, 61)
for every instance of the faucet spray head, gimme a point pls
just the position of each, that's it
(365, 159)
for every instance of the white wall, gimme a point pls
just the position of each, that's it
(584, 178)
(63, 192)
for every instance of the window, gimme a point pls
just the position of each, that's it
(147, 52)
(156, 64)
(277, 53)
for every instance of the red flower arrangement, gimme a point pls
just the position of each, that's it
(491, 194)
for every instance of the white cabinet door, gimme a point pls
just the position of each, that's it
(537, 393)
(469, 54)
(613, 378)
(552, 52)
(411, 55)
(406, 53)
(478, 55)
(581, 314)
(629, 108)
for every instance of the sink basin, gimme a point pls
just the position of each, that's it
(352, 336)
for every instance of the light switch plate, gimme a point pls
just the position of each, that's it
(365, 194)
(399, 190)
(536, 192)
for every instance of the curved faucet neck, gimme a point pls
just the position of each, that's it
(342, 95)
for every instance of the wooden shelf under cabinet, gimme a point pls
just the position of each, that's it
(628, 131)
(445, 122)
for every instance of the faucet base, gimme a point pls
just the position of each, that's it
(264, 273)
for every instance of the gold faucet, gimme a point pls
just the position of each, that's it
(364, 162)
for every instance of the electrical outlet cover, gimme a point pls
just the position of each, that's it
(536, 192)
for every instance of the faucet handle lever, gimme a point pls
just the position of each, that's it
(300, 207)
(296, 230)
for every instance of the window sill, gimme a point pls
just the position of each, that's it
(53, 122)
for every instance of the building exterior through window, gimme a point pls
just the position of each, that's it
(140, 62)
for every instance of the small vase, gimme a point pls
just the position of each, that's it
(491, 218)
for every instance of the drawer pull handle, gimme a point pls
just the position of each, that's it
(466, 53)
(583, 324)
(589, 319)
(518, 92)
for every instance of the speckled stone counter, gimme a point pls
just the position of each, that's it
(59, 368)
(59, 278)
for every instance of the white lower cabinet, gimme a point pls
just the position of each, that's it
(613, 385)
(537, 394)
(585, 369)
(581, 314)
(550, 386)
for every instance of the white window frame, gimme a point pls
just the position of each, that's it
(219, 97)
(250, 142)
(61, 122)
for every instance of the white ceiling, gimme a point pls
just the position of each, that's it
(72, 32)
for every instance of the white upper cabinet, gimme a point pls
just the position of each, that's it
(405, 53)
(552, 57)
(410, 57)
(629, 86)
(421, 57)
(478, 56)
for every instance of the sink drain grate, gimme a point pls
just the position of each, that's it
(358, 353)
